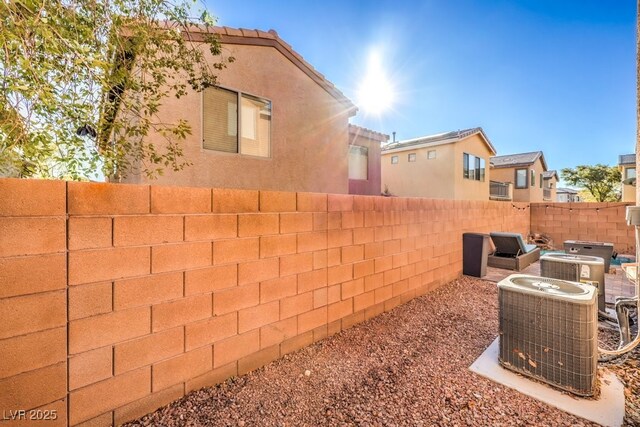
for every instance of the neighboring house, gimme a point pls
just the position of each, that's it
(525, 173)
(549, 185)
(449, 165)
(568, 195)
(627, 165)
(364, 160)
(274, 122)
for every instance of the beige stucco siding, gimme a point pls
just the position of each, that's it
(309, 130)
(628, 191)
(468, 189)
(425, 177)
(440, 178)
(531, 193)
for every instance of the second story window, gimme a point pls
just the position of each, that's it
(394, 160)
(533, 178)
(227, 128)
(540, 181)
(521, 178)
(431, 154)
(358, 162)
(629, 173)
(412, 157)
(473, 167)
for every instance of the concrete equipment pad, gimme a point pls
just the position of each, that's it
(608, 410)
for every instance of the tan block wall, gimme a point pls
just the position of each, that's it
(33, 299)
(309, 131)
(581, 221)
(170, 289)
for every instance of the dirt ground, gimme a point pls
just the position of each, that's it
(405, 367)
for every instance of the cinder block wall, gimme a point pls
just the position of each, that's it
(601, 222)
(117, 299)
(33, 299)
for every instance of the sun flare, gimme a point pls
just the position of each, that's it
(376, 92)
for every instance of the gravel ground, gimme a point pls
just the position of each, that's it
(406, 367)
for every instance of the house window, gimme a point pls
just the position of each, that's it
(629, 173)
(540, 181)
(521, 178)
(394, 160)
(431, 154)
(412, 157)
(222, 119)
(358, 162)
(473, 167)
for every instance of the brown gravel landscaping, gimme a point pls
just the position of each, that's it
(405, 367)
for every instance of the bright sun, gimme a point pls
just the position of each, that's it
(376, 92)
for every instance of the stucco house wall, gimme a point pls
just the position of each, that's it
(532, 193)
(309, 123)
(432, 178)
(371, 140)
(441, 177)
(628, 191)
(468, 189)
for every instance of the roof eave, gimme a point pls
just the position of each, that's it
(235, 36)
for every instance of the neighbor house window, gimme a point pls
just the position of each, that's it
(412, 157)
(540, 181)
(533, 178)
(629, 173)
(431, 154)
(394, 160)
(521, 178)
(358, 162)
(473, 167)
(222, 119)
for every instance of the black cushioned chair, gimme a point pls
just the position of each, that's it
(511, 252)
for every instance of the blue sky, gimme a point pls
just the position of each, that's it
(550, 75)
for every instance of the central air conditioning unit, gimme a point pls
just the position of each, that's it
(548, 331)
(576, 268)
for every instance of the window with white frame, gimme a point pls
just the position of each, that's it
(394, 160)
(358, 162)
(412, 157)
(221, 120)
(431, 154)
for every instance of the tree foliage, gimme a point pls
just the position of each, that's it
(83, 81)
(601, 181)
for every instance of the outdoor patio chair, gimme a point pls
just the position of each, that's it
(511, 252)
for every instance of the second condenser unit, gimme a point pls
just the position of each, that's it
(576, 268)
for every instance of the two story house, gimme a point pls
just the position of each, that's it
(526, 173)
(567, 195)
(451, 165)
(274, 122)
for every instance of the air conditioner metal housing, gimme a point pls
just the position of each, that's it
(576, 268)
(548, 331)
